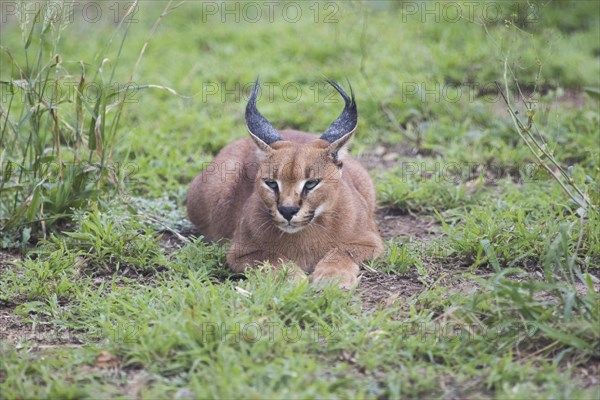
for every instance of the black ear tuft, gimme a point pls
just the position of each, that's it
(347, 121)
(258, 126)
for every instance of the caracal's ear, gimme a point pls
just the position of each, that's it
(260, 129)
(341, 130)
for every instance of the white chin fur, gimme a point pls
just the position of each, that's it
(290, 229)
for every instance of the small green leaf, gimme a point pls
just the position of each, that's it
(490, 253)
(565, 338)
(35, 19)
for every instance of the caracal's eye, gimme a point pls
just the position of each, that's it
(310, 184)
(272, 184)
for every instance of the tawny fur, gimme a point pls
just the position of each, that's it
(230, 200)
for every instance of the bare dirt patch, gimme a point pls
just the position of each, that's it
(171, 240)
(7, 259)
(380, 290)
(589, 374)
(11, 329)
(393, 224)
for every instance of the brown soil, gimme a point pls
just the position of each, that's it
(7, 259)
(380, 290)
(409, 226)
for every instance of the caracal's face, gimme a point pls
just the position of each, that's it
(297, 183)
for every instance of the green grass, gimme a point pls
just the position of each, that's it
(501, 303)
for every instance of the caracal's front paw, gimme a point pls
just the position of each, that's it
(344, 278)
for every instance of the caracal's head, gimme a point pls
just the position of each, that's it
(299, 181)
